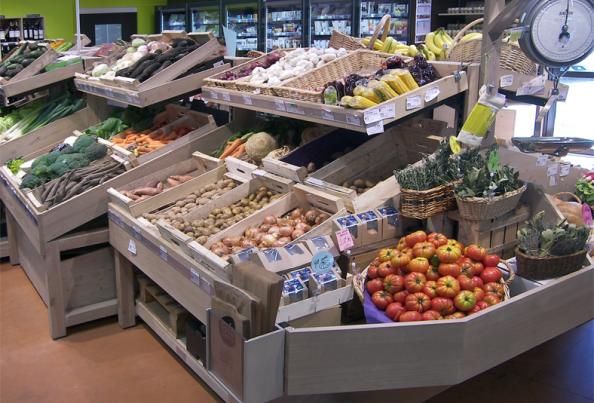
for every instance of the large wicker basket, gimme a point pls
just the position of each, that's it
(422, 204)
(512, 57)
(340, 40)
(485, 208)
(541, 268)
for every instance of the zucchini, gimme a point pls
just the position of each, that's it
(27, 62)
(140, 68)
(146, 73)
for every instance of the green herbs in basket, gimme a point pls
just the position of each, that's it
(486, 177)
(540, 240)
(585, 188)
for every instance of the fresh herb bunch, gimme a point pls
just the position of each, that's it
(538, 239)
(486, 177)
(15, 164)
(584, 188)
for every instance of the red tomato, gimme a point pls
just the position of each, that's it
(479, 293)
(491, 261)
(491, 275)
(424, 249)
(385, 269)
(381, 299)
(400, 296)
(393, 283)
(417, 302)
(414, 282)
(409, 252)
(415, 238)
(477, 268)
(385, 255)
(465, 282)
(455, 315)
(475, 309)
(495, 288)
(394, 310)
(483, 304)
(448, 254)
(418, 265)
(449, 269)
(430, 289)
(453, 242)
(431, 315)
(372, 272)
(375, 262)
(444, 306)
(374, 285)
(491, 299)
(400, 259)
(410, 316)
(477, 281)
(448, 287)
(437, 239)
(465, 301)
(475, 252)
(401, 244)
(432, 273)
(466, 266)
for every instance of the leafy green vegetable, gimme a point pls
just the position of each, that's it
(107, 129)
(15, 164)
(585, 190)
(82, 142)
(95, 151)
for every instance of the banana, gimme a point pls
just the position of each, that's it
(431, 46)
(413, 51)
(388, 43)
(393, 47)
(472, 36)
(378, 45)
(437, 39)
(447, 38)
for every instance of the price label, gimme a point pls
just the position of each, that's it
(247, 100)
(132, 247)
(506, 81)
(214, 95)
(372, 116)
(327, 115)
(388, 111)
(553, 170)
(532, 87)
(413, 102)
(344, 239)
(292, 108)
(553, 180)
(226, 96)
(375, 128)
(353, 120)
(564, 170)
(163, 253)
(431, 94)
(542, 160)
(219, 63)
(195, 277)
(322, 262)
(279, 105)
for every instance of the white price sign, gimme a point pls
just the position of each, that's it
(431, 94)
(327, 115)
(375, 127)
(506, 81)
(247, 100)
(279, 105)
(214, 95)
(388, 111)
(532, 87)
(226, 96)
(413, 102)
(132, 247)
(565, 169)
(353, 119)
(542, 160)
(292, 108)
(372, 115)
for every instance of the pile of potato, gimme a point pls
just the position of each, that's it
(359, 185)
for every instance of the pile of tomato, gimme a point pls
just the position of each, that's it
(431, 277)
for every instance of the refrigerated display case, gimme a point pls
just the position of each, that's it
(371, 13)
(242, 17)
(422, 20)
(325, 16)
(171, 18)
(284, 24)
(206, 17)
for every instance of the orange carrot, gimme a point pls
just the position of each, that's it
(230, 148)
(239, 151)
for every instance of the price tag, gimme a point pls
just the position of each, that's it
(247, 100)
(279, 105)
(322, 262)
(565, 169)
(353, 120)
(214, 95)
(553, 170)
(292, 108)
(506, 81)
(344, 239)
(553, 180)
(413, 102)
(431, 94)
(327, 115)
(532, 87)
(542, 160)
(163, 253)
(132, 247)
(219, 63)
(195, 277)
(375, 128)
(388, 111)
(226, 96)
(372, 115)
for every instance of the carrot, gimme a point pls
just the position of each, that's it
(239, 151)
(230, 148)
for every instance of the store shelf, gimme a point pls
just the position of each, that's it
(286, 34)
(461, 14)
(285, 21)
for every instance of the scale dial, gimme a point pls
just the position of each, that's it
(561, 32)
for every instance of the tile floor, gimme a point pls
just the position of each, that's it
(99, 362)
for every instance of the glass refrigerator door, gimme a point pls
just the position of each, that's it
(205, 19)
(173, 20)
(327, 16)
(243, 19)
(422, 20)
(373, 11)
(284, 24)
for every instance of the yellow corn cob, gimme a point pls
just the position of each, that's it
(383, 88)
(378, 45)
(358, 102)
(388, 44)
(395, 83)
(345, 100)
(407, 78)
(368, 93)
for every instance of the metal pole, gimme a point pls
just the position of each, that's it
(78, 39)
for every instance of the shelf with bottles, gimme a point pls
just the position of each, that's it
(376, 10)
(10, 33)
(242, 19)
(33, 28)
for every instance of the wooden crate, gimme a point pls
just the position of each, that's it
(35, 67)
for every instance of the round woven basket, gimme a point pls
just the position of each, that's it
(340, 40)
(422, 204)
(470, 51)
(485, 208)
(542, 268)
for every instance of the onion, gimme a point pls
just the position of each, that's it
(297, 213)
(281, 222)
(258, 237)
(218, 245)
(227, 241)
(321, 218)
(278, 244)
(285, 239)
(285, 231)
(235, 240)
(297, 233)
(290, 223)
(270, 220)
(236, 249)
(303, 227)
(268, 240)
(310, 216)
(264, 227)
(247, 243)
(274, 229)
(218, 251)
(251, 232)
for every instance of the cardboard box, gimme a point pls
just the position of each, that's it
(351, 223)
(371, 227)
(391, 223)
(322, 243)
(294, 290)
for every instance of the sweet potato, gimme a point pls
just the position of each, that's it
(146, 191)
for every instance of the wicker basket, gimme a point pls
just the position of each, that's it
(340, 40)
(485, 208)
(359, 281)
(310, 86)
(422, 204)
(541, 268)
(512, 57)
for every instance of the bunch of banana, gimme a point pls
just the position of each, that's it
(391, 45)
(471, 36)
(437, 43)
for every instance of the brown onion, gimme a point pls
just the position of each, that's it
(322, 217)
(268, 240)
(274, 229)
(303, 227)
(310, 216)
(264, 227)
(281, 222)
(247, 243)
(227, 241)
(297, 213)
(258, 237)
(296, 234)
(251, 232)
(285, 231)
(235, 240)
(278, 244)
(285, 239)
(218, 251)
(270, 220)
(236, 249)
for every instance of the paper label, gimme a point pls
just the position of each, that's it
(375, 128)
(226, 96)
(532, 87)
(327, 115)
(372, 115)
(219, 63)
(279, 105)
(353, 120)
(214, 95)
(413, 102)
(542, 160)
(565, 169)
(195, 277)
(292, 108)
(132, 247)
(552, 180)
(344, 239)
(431, 94)
(163, 253)
(322, 262)
(553, 170)
(247, 100)
(388, 111)
(506, 81)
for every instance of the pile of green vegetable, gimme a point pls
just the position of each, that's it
(37, 114)
(139, 119)
(23, 56)
(63, 159)
(538, 239)
(15, 165)
(584, 188)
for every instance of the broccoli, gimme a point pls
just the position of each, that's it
(83, 142)
(68, 162)
(42, 172)
(46, 159)
(31, 181)
(95, 151)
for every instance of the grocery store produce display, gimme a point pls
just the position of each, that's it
(20, 58)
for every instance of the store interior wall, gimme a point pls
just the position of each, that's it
(60, 14)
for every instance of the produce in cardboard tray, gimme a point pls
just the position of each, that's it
(23, 56)
(436, 280)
